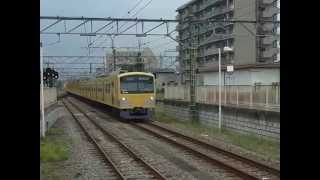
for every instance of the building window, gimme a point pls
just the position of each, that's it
(275, 57)
(274, 44)
(276, 29)
(274, 17)
(231, 4)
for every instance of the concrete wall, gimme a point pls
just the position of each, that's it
(243, 77)
(50, 96)
(245, 42)
(165, 78)
(52, 114)
(261, 123)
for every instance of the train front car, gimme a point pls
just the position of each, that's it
(137, 95)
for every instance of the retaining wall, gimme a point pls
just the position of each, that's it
(52, 114)
(50, 96)
(247, 121)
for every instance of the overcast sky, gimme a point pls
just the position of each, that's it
(72, 45)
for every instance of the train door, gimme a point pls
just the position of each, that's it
(116, 91)
(112, 93)
(103, 89)
(96, 90)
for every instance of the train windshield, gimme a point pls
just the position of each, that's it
(136, 84)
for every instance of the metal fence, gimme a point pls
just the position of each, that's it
(266, 96)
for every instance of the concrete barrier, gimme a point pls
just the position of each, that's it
(51, 107)
(247, 121)
(50, 96)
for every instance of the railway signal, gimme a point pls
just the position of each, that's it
(49, 75)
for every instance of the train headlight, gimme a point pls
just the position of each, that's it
(151, 98)
(123, 99)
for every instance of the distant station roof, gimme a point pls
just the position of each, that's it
(163, 70)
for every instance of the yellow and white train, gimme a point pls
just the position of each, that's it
(131, 94)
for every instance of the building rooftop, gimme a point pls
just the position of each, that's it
(186, 4)
(163, 70)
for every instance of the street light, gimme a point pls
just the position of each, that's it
(43, 127)
(225, 49)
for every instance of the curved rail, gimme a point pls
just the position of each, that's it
(125, 147)
(96, 144)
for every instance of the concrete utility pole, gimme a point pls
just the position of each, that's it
(219, 88)
(113, 53)
(193, 47)
(105, 64)
(43, 124)
(225, 49)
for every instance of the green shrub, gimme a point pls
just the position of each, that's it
(53, 151)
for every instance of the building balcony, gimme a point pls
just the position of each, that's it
(270, 11)
(267, 2)
(221, 25)
(183, 37)
(182, 26)
(220, 11)
(209, 3)
(215, 38)
(267, 26)
(213, 51)
(269, 53)
(269, 40)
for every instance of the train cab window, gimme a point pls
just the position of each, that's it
(136, 84)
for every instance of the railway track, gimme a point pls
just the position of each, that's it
(238, 165)
(125, 163)
(235, 166)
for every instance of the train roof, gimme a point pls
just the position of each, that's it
(135, 73)
(90, 81)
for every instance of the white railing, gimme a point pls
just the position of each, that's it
(241, 95)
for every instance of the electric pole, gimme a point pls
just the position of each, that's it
(192, 63)
(43, 125)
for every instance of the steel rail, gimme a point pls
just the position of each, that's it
(225, 166)
(125, 147)
(96, 144)
(219, 150)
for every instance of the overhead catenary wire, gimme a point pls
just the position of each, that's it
(124, 16)
(112, 21)
(136, 5)
(53, 43)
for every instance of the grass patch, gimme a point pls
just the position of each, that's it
(55, 131)
(265, 147)
(53, 148)
(53, 151)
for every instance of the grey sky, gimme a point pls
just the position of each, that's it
(71, 45)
